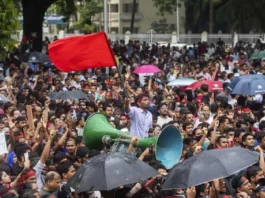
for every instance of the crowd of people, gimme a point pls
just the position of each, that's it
(42, 140)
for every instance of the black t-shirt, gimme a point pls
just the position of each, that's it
(64, 191)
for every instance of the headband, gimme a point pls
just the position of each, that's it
(28, 174)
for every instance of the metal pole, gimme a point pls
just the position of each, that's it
(177, 21)
(106, 16)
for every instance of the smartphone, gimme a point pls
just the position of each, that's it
(26, 156)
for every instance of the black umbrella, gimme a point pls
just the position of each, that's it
(208, 166)
(34, 57)
(65, 95)
(108, 171)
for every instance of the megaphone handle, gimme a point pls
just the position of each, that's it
(122, 140)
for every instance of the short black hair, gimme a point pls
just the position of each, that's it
(252, 171)
(63, 167)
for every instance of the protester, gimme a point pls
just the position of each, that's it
(42, 138)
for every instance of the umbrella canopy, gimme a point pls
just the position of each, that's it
(146, 69)
(34, 57)
(251, 84)
(213, 85)
(208, 166)
(181, 82)
(258, 55)
(107, 171)
(65, 95)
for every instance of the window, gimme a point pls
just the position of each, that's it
(114, 8)
(128, 7)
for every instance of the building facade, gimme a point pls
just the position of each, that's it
(146, 17)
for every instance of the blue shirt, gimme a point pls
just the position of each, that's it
(141, 122)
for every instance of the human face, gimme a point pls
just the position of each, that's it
(190, 118)
(262, 143)
(108, 111)
(31, 179)
(226, 124)
(189, 129)
(144, 103)
(223, 142)
(123, 120)
(163, 110)
(258, 176)
(5, 178)
(70, 173)
(55, 184)
(230, 135)
(206, 112)
(249, 142)
(246, 187)
(70, 146)
(16, 114)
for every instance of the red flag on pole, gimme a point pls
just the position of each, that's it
(81, 52)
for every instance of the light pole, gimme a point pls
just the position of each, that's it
(177, 21)
(106, 16)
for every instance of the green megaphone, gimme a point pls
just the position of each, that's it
(168, 145)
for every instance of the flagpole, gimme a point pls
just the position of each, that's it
(106, 16)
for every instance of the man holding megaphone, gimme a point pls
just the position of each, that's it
(140, 117)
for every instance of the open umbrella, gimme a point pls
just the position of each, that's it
(34, 57)
(258, 55)
(213, 85)
(65, 95)
(107, 171)
(146, 69)
(181, 82)
(208, 166)
(251, 84)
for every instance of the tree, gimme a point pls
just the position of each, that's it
(228, 15)
(33, 16)
(34, 11)
(9, 25)
(133, 16)
(87, 9)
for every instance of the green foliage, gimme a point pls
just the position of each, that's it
(9, 24)
(229, 15)
(66, 8)
(88, 9)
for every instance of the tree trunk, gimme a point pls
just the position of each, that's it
(33, 16)
(211, 7)
(133, 16)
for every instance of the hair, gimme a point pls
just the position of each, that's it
(50, 176)
(204, 87)
(185, 124)
(218, 140)
(20, 149)
(63, 167)
(28, 193)
(252, 171)
(244, 137)
(260, 136)
(262, 125)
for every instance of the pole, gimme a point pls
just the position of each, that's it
(106, 16)
(211, 17)
(177, 21)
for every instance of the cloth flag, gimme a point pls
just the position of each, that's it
(78, 53)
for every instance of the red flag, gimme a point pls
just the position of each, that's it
(81, 52)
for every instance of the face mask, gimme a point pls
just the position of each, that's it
(198, 138)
